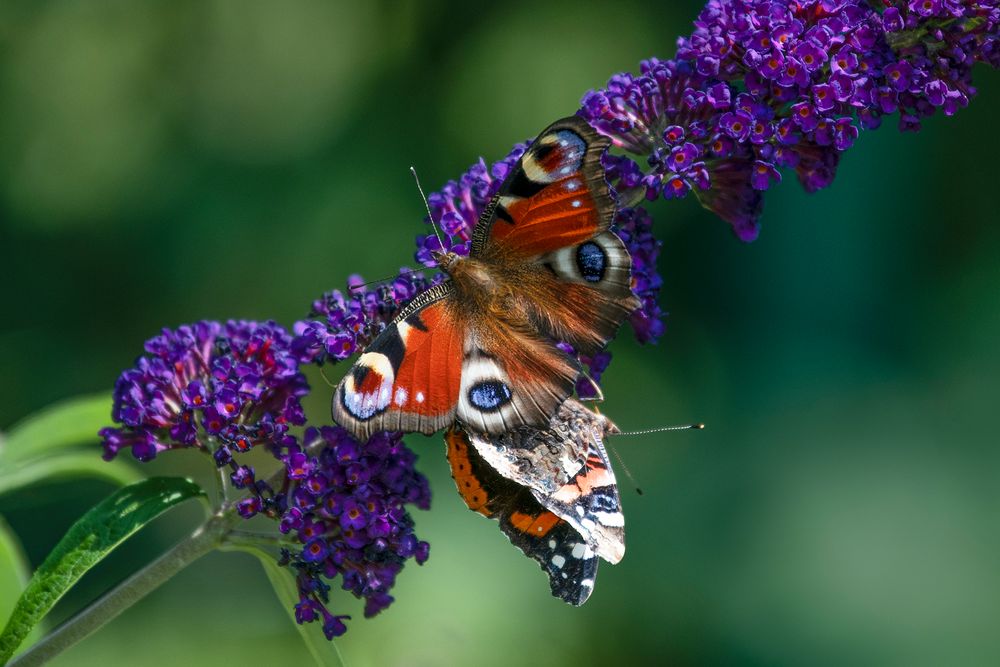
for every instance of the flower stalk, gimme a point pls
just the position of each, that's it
(208, 537)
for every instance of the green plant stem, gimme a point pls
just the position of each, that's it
(206, 538)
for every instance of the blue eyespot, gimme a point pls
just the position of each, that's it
(489, 395)
(591, 260)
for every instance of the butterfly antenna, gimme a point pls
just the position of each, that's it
(621, 462)
(326, 379)
(685, 427)
(382, 280)
(427, 206)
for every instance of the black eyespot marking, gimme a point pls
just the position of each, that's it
(519, 185)
(541, 152)
(360, 373)
(416, 322)
(391, 345)
(591, 261)
(489, 395)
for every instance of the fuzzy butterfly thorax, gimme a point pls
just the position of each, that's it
(480, 286)
(480, 347)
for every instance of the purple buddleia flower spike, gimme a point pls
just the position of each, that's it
(219, 388)
(348, 513)
(762, 84)
(222, 389)
(635, 228)
(226, 389)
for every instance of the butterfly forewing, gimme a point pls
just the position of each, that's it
(408, 378)
(556, 196)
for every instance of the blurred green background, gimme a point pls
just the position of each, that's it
(162, 162)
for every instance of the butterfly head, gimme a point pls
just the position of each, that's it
(604, 426)
(447, 261)
(610, 428)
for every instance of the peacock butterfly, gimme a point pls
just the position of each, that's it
(480, 348)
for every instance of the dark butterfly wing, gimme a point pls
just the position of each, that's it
(566, 468)
(554, 544)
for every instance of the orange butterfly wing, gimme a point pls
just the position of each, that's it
(408, 378)
(554, 212)
(555, 197)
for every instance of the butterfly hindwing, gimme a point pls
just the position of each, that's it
(554, 544)
(511, 378)
(587, 292)
(408, 378)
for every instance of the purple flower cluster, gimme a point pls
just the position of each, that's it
(340, 325)
(635, 228)
(226, 389)
(219, 388)
(345, 503)
(762, 85)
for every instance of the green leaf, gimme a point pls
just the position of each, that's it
(68, 423)
(69, 465)
(14, 573)
(324, 652)
(88, 541)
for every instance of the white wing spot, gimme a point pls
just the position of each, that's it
(558, 561)
(420, 397)
(579, 550)
(615, 519)
(572, 185)
(576, 203)
(552, 544)
(400, 398)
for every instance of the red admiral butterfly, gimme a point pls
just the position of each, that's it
(552, 490)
